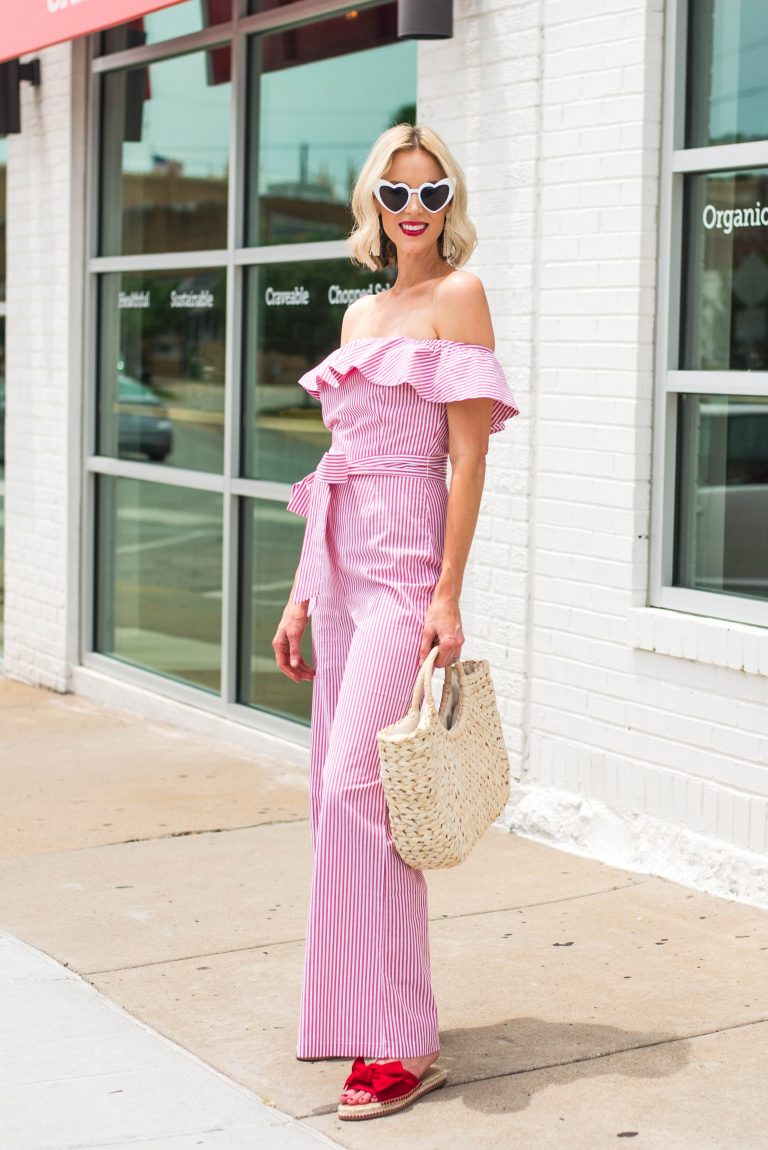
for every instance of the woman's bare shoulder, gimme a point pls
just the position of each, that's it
(355, 317)
(461, 309)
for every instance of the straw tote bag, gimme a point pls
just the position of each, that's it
(446, 773)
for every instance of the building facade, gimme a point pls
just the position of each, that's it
(176, 207)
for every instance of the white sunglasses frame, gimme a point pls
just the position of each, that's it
(449, 180)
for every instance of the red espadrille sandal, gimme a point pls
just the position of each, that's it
(390, 1085)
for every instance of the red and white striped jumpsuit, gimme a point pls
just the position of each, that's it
(370, 560)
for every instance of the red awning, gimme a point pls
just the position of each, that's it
(27, 25)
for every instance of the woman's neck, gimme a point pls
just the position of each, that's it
(417, 269)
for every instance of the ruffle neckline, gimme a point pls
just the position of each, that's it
(440, 370)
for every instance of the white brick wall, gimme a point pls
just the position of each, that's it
(45, 203)
(637, 735)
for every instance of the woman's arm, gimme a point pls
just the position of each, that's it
(461, 314)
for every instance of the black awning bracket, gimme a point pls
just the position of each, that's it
(12, 72)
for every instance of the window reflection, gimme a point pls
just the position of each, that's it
(292, 321)
(158, 602)
(2, 397)
(269, 545)
(166, 24)
(725, 271)
(165, 156)
(722, 538)
(727, 77)
(161, 385)
(320, 94)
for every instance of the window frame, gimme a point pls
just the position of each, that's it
(677, 161)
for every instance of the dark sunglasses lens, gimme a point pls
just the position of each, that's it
(434, 198)
(393, 198)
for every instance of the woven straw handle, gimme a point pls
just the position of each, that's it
(423, 684)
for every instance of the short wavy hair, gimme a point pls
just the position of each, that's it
(368, 245)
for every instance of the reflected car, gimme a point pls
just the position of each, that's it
(143, 426)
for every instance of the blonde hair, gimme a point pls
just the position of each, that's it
(367, 243)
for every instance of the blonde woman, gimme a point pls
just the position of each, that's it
(414, 382)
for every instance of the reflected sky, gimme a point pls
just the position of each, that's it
(327, 104)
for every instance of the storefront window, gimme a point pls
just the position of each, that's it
(165, 157)
(182, 350)
(725, 271)
(319, 95)
(161, 383)
(269, 545)
(723, 515)
(710, 520)
(293, 320)
(727, 77)
(158, 593)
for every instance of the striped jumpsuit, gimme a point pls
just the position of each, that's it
(370, 560)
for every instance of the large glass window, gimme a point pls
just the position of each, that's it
(320, 94)
(723, 523)
(165, 157)
(727, 75)
(161, 380)
(725, 271)
(158, 585)
(710, 545)
(203, 327)
(270, 540)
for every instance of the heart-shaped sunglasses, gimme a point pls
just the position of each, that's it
(432, 197)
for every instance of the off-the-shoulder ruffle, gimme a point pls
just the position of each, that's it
(440, 370)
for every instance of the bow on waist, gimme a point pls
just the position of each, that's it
(335, 467)
(310, 496)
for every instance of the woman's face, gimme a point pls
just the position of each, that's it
(414, 229)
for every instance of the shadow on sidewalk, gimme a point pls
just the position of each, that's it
(551, 1054)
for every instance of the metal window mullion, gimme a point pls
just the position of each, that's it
(667, 308)
(271, 489)
(292, 253)
(155, 473)
(753, 154)
(90, 359)
(231, 509)
(211, 37)
(159, 261)
(718, 382)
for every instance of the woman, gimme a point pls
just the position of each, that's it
(414, 381)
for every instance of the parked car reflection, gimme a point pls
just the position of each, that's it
(143, 426)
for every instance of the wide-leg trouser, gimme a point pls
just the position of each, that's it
(366, 988)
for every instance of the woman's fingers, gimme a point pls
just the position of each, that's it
(287, 647)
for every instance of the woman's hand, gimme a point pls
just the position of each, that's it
(442, 623)
(287, 642)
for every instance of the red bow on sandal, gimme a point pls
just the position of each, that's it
(390, 1085)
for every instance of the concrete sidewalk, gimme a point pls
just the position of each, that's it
(580, 1004)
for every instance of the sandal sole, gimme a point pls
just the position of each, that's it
(378, 1109)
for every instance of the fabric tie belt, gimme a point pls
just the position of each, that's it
(312, 499)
